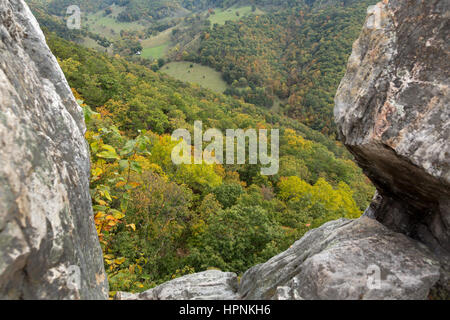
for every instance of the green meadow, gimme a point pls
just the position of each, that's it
(157, 46)
(155, 52)
(108, 26)
(205, 77)
(223, 15)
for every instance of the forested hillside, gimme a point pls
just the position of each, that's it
(157, 9)
(297, 56)
(157, 220)
(285, 55)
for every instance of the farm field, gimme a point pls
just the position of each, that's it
(107, 25)
(92, 44)
(205, 77)
(156, 47)
(223, 15)
(155, 52)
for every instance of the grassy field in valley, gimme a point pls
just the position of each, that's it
(203, 76)
(108, 26)
(223, 15)
(155, 52)
(156, 47)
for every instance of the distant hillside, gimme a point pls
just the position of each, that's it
(293, 58)
(284, 55)
(158, 9)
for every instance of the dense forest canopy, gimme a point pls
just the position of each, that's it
(296, 56)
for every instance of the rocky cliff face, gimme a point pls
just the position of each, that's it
(48, 243)
(392, 111)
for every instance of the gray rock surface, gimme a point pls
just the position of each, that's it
(47, 233)
(345, 259)
(208, 285)
(393, 113)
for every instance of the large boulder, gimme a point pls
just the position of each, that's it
(208, 285)
(49, 247)
(392, 112)
(346, 259)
